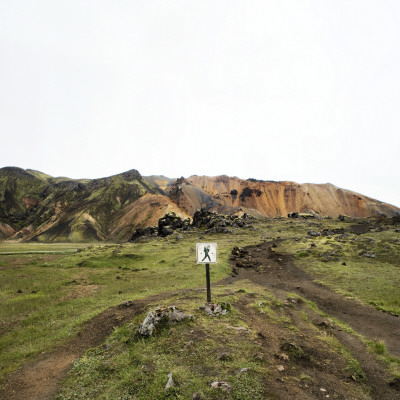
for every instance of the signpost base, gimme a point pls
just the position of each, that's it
(208, 283)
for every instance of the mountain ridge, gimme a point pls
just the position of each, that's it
(37, 206)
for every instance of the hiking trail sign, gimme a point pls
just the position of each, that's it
(207, 254)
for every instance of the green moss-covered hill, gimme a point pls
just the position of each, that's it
(37, 206)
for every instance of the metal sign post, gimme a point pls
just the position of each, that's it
(207, 254)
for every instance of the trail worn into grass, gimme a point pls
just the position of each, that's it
(265, 266)
(39, 379)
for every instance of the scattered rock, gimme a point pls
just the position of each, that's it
(237, 328)
(221, 385)
(326, 324)
(217, 223)
(215, 309)
(170, 222)
(302, 215)
(19, 291)
(294, 300)
(224, 357)
(293, 350)
(170, 384)
(165, 231)
(314, 233)
(280, 368)
(127, 303)
(282, 356)
(242, 370)
(171, 315)
(368, 255)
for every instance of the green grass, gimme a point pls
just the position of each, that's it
(61, 288)
(59, 292)
(129, 366)
(375, 281)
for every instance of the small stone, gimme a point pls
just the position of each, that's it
(221, 385)
(127, 303)
(280, 368)
(237, 328)
(322, 390)
(282, 356)
(19, 291)
(170, 383)
(244, 370)
(224, 357)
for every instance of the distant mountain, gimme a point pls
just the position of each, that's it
(272, 199)
(37, 206)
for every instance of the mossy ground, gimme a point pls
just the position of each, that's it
(58, 292)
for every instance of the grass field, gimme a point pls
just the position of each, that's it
(47, 291)
(46, 297)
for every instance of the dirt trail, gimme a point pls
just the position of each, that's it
(39, 379)
(278, 273)
(265, 266)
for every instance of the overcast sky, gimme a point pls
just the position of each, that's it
(307, 91)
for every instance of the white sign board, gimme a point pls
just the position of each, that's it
(206, 253)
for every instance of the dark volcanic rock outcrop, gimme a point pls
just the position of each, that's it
(170, 222)
(217, 223)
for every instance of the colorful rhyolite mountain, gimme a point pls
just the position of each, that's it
(36, 206)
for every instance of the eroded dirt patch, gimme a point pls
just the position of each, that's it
(264, 265)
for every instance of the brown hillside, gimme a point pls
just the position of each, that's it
(146, 211)
(273, 199)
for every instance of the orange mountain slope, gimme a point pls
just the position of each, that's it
(273, 199)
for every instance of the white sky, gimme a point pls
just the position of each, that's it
(297, 90)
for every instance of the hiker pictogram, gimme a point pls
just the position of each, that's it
(206, 253)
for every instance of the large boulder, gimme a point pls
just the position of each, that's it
(217, 223)
(170, 222)
(170, 315)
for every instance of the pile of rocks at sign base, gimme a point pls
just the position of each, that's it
(170, 315)
(215, 309)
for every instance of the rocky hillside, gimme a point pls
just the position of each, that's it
(36, 206)
(273, 199)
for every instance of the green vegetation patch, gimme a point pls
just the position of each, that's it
(47, 296)
(196, 353)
